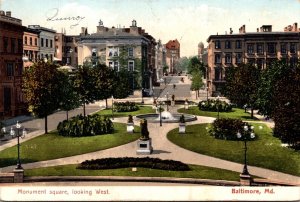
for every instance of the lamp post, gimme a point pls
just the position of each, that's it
(218, 105)
(244, 136)
(19, 131)
(167, 95)
(112, 107)
(160, 120)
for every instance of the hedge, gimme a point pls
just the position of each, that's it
(125, 106)
(125, 162)
(213, 105)
(90, 125)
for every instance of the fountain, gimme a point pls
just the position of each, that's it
(166, 117)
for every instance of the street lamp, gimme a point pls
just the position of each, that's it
(244, 136)
(112, 107)
(167, 95)
(19, 131)
(160, 120)
(218, 105)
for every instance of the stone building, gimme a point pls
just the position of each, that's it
(160, 61)
(129, 48)
(172, 54)
(260, 48)
(11, 65)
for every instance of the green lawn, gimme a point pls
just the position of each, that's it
(195, 172)
(264, 152)
(235, 114)
(143, 110)
(53, 146)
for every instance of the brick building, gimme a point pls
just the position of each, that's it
(11, 65)
(30, 46)
(172, 54)
(260, 48)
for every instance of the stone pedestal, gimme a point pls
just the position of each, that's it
(144, 146)
(18, 175)
(172, 103)
(182, 128)
(130, 128)
(245, 180)
(186, 105)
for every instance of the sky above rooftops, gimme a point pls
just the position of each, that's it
(188, 21)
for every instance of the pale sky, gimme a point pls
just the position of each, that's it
(188, 21)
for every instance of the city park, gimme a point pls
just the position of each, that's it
(167, 135)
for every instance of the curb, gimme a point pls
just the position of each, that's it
(131, 179)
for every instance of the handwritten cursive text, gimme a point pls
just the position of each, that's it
(53, 13)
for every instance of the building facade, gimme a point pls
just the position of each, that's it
(46, 42)
(128, 48)
(11, 65)
(160, 61)
(260, 48)
(172, 54)
(30, 46)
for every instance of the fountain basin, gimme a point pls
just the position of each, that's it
(154, 118)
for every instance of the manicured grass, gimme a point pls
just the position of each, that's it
(143, 110)
(265, 151)
(235, 114)
(196, 171)
(53, 146)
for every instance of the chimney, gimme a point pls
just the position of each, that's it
(8, 13)
(231, 30)
(242, 29)
(295, 27)
(257, 29)
(2, 12)
(82, 30)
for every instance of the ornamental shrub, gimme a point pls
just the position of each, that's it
(228, 128)
(212, 105)
(125, 106)
(90, 125)
(125, 162)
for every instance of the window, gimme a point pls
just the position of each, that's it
(13, 45)
(9, 69)
(20, 45)
(293, 48)
(238, 58)
(227, 44)
(110, 64)
(131, 66)
(228, 58)
(35, 41)
(260, 48)
(51, 43)
(217, 73)
(283, 48)
(30, 41)
(238, 44)
(5, 44)
(113, 51)
(130, 52)
(271, 48)
(217, 44)
(217, 58)
(26, 40)
(250, 49)
(260, 63)
(46, 42)
(42, 42)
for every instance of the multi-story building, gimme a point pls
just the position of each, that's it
(30, 46)
(129, 48)
(260, 48)
(160, 60)
(172, 54)
(46, 42)
(202, 53)
(66, 49)
(11, 65)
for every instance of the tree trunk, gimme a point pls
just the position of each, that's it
(196, 95)
(106, 103)
(252, 112)
(46, 124)
(84, 109)
(67, 115)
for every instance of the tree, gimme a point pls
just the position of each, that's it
(69, 100)
(197, 82)
(121, 84)
(182, 64)
(269, 78)
(42, 89)
(242, 84)
(84, 85)
(196, 65)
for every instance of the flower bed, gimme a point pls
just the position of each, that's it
(125, 106)
(90, 125)
(111, 163)
(213, 105)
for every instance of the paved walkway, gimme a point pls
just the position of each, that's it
(163, 149)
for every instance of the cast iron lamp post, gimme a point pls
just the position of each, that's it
(244, 136)
(19, 131)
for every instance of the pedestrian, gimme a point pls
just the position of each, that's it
(174, 86)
